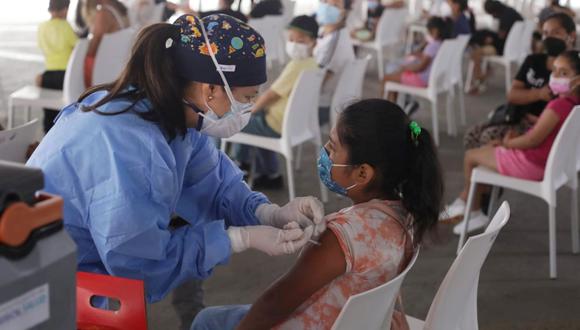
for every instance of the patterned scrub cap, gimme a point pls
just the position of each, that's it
(239, 50)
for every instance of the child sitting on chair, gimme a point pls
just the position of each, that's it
(523, 156)
(268, 112)
(388, 166)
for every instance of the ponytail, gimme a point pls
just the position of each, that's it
(423, 188)
(377, 132)
(150, 74)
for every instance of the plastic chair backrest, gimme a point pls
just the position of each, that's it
(563, 157)
(439, 77)
(349, 87)
(73, 85)
(301, 117)
(130, 293)
(373, 309)
(271, 28)
(458, 51)
(112, 55)
(526, 39)
(14, 142)
(390, 27)
(513, 44)
(455, 304)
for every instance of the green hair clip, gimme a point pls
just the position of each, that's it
(415, 131)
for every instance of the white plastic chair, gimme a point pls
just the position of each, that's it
(300, 125)
(560, 170)
(456, 67)
(439, 82)
(512, 54)
(14, 142)
(455, 303)
(272, 30)
(373, 309)
(349, 87)
(37, 97)
(388, 34)
(526, 40)
(112, 55)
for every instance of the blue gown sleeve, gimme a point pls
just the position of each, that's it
(214, 188)
(129, 211)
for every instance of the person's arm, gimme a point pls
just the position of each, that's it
(266, 100)
(545, 125)
(420, 65)
(213, 185)
(520, 95)
(316, 268)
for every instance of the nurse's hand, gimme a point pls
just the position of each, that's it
(270, 240)
(306, 211)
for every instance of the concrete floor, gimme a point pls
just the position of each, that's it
(514, 289)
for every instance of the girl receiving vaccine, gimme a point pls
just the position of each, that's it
(388, 167)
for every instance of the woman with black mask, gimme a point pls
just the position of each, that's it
(529, 93)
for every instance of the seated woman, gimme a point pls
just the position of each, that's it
(102, 17)
(529, 93)
(525, 156)
(389, 168)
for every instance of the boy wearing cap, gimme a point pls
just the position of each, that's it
(271, 105)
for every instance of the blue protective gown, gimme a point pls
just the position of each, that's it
(122, 180)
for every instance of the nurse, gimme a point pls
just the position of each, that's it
(131, 154)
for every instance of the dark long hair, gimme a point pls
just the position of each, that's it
(150, 74)
(377, 132)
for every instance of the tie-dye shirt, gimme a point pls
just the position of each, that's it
(377, 246)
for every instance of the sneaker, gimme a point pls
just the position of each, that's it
(453, 212)
(477, 221)
(266, 182)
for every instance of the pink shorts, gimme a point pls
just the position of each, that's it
(513, 162)
(412, 79)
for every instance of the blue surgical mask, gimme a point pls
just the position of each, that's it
(327, 14)
(325, 166)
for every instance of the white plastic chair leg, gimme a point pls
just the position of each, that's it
(380, 63)
(462, 114)
(552, 238)
(466, 214)
(574, 219)
(451, 129)
(290, 177)
(469, 78)
(508, 77)
(435, 121)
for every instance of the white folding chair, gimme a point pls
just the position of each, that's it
(388, 34)
(37, 97)
(455, 303)
(511, 55)
(349, 87)
(526, 40)
(112, 55)
(439, 82)
(560, 170)
(300, 125)
(272, 30)
(456, 67)
(14, 142)
(373, 309)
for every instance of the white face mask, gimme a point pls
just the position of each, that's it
(234, 120)
(297, 51)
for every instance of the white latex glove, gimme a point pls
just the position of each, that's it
(306, 211)
(270, 240)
